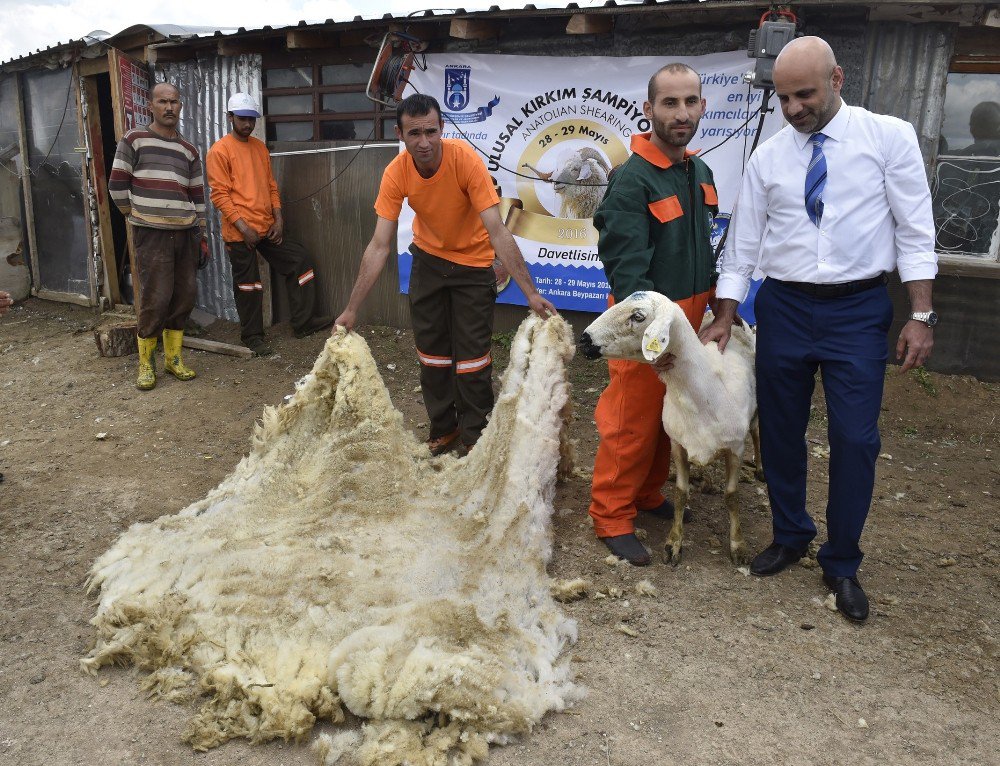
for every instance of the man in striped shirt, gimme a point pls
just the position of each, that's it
(156, 182)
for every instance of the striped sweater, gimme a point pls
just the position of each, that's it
(157, 182)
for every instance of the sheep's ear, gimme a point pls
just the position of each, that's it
(586, 171)
(655, 339)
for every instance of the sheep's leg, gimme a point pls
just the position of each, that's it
(737, 547)
(758, 462)
(681, 490)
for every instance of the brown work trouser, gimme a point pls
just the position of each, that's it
(167, 261)
(292, 262)
(451, 309)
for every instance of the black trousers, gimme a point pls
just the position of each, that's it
(291, 261)
(451, 309)
(167, 262)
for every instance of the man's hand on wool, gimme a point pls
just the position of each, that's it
(914, 345)
(722, 326)
(541, 306)
(720, 331)
(346, 320)
(663, 362)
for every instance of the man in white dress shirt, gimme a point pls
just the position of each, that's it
(828, 206)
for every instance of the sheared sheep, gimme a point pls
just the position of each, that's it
(580, 182)
(339, 566)
(711, 399)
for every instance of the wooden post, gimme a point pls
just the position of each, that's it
(88, 214)
(589, 24)
(473, 29)
(100, 182)
(117, 104)
(29, 207)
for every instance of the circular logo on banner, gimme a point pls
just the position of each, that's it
(572, 160)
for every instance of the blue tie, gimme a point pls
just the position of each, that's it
(816, 179)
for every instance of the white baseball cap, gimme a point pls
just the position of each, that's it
(243, 105)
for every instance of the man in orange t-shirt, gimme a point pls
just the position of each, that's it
(456, 235)
(244, 191)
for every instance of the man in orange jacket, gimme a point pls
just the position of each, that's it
(244, 191)
(654, 224)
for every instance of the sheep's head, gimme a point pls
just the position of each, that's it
(632, 329)
(586, 167)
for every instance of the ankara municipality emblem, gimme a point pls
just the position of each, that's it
(456, 87)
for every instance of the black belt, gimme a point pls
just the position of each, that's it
(838, 290)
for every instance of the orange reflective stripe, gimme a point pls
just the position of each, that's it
(473, 365)
(306, 277)
(249, 287)
(430, 360)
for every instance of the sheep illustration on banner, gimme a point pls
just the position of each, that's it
(341, 567)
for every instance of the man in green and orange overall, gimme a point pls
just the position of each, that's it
(654, 224)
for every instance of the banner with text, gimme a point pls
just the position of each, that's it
(551, 128)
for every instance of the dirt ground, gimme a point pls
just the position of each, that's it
(724, 668)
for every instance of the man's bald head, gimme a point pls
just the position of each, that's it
(166, 87)
(808, 80)
(805, 53)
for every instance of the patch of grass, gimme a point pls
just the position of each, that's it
(503, 339)
(923, 377)
(909, 431)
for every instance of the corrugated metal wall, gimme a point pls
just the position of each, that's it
(205, 87)
(905, 72)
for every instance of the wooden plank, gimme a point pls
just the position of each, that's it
(957, 266)
(169, 53)
(90, 216)
(29, 207)
(296, 39)
(97, 171)
(239, 47)
(590, 24)
(267, 294)
(93, 66)
(915, 13)
(201, 344)
(473, 29)
(981, 41)
(63, 297)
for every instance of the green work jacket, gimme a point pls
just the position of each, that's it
(654, 224)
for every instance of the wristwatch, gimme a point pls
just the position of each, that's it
(929, 318)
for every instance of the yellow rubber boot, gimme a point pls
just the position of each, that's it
(147, 370)
(173, 364)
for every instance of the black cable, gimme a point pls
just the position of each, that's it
(45, 159)
(763, 111)
(343, 170)
(734, 133)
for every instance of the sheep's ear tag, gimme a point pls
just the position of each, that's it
(653, 348)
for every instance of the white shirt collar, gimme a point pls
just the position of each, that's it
(834, 129)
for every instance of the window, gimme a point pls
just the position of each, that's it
(323, 102)
(966, 184)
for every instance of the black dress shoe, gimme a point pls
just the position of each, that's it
(629, 548)
(773, 559)
(665, 510)
(851, 599)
